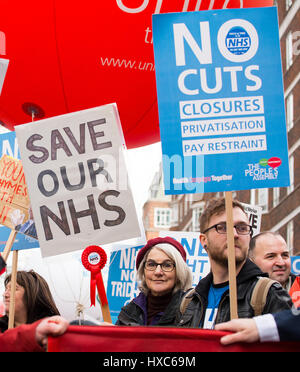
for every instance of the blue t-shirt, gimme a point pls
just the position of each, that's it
(214, 296)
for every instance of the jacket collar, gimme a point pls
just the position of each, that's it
(170, 312)
(248, 272)
(141, 301)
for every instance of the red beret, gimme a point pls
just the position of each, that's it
(151, 243)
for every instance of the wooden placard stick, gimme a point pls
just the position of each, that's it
(231, 256)
(9, 244)
(13, 282)
(106, 313)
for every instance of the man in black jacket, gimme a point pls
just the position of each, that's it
(209, 303)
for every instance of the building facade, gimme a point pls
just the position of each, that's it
(280, 206)
(157, 210)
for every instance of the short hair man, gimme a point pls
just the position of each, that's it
(209, 304)
(269, 251)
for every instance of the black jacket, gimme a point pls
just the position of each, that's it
(278, 299)
(135, 313)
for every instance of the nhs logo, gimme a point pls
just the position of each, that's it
(238, 41)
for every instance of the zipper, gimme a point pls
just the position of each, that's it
(225, 295)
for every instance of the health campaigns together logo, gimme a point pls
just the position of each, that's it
(265, 169)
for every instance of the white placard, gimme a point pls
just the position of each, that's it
(77, 179)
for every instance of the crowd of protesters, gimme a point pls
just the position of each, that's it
(166, 297)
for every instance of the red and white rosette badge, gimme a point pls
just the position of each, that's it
(94, 259)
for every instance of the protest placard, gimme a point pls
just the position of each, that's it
(295, 268)
(254, 213)
(9, 146)
(216, 90)
(122, 286)
(220, 99)
(14, 200)
(14, 206)
(77, 180)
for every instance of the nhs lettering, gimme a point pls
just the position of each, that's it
(237, 41)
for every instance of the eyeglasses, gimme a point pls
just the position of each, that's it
(241, 229)
(165, 266)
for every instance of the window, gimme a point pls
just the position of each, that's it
(175, 214)
(196, 216)
(260, 197)
(276, 196)
(290, 236)
(263, 199)
(188, 200)
(291, 167)
(288, 4)
(162, 217)
(289, 50)
(181, 210)
(290, 111)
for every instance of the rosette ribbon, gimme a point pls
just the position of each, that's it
(94, 259)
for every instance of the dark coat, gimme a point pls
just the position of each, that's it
(135, 313)
(288, 325)
(278, 299)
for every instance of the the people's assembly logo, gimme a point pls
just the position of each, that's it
(265, 169)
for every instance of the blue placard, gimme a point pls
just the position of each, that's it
(220, 100)
(121, 283)
(9, 146)
(295, 266)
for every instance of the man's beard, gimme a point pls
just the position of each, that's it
(221, 258)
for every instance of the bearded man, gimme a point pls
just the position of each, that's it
(209, 303)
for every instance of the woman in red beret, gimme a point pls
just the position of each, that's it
(163, 277)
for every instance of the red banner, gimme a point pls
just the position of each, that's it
(153, 339)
